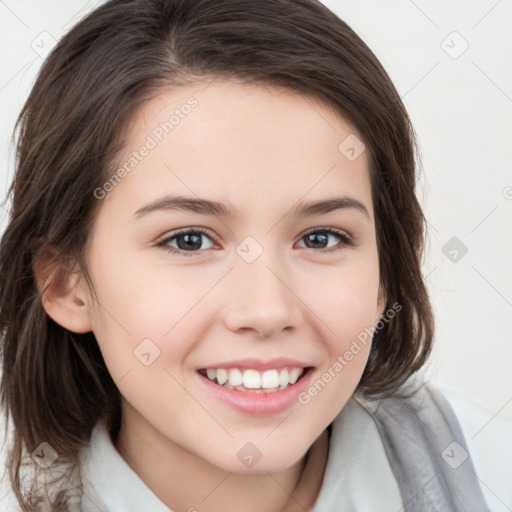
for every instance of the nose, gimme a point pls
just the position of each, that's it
(261, 299)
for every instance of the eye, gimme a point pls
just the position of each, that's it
(188, 240)
(320, 236)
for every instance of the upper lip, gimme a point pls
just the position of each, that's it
(258, 364)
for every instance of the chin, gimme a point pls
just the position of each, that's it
(249, 459)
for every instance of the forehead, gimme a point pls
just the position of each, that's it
(239, 144)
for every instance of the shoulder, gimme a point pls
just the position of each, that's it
(52, 479)
(441, 428)
(488, 435)
(8, 502)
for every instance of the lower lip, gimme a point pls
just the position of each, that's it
(259, 404)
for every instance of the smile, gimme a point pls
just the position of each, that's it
(252, 380)
(262, 392)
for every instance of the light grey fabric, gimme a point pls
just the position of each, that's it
(427, 452)
(358, 477)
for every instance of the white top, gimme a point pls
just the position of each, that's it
(357, 462)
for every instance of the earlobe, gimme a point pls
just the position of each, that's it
(62, 295)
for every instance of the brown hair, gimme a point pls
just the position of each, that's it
(55, 385)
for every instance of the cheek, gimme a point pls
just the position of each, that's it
(345, 301)
(147, 320)
(348, 315)
(145, 300)
(142, 331)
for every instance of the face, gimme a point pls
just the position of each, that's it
(259, 288)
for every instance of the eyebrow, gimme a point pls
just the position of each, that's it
(209, 207)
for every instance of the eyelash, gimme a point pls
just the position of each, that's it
(346, 240)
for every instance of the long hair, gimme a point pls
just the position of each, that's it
(55, 385)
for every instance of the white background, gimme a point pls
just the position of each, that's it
(461, 109)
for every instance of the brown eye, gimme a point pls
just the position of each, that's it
(319, 239)
(188, 241)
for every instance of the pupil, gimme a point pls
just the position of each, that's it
(314, 236)
(196, 245)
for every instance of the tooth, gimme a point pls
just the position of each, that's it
(294, 374)
(283, 377)
(222, 376)
(235, 377)
(252, 379)
(270, 379)
(273, 380)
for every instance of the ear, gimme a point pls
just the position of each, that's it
(62, 294)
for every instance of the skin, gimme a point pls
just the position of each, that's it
(260, 150)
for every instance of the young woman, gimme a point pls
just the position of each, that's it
(211, 293)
